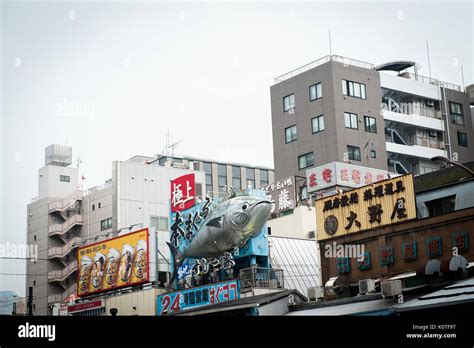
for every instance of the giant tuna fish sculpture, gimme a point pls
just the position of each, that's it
(230, 224)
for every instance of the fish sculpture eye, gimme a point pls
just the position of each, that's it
(245, 206)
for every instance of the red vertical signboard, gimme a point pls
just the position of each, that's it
(183, 193)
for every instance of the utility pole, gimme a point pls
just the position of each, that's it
(30, 301)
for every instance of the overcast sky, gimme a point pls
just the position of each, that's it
(110, 79)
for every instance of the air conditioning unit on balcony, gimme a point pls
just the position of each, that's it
(366, 285)
(311, 234)
(391, 288)
(429, 103)
(315, 293)
(433, 134)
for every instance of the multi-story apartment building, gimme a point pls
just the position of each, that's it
(337, 109)
(64, 216)
(54, 221)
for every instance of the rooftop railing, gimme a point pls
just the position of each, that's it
(430, 80)
(364, 65)
(321, 61)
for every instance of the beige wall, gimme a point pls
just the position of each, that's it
(296, 225)
(144, 301)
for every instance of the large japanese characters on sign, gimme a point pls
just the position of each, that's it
(342, 174)
(205, 239)
(183, 193)
(382, 203)
(178, 301)
(281, 194)
(113, 263)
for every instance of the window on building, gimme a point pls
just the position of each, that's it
(350, 120)
(373, 154)
(263, 177)
(288, 102)
(207, 168)
(290, 134)
(159, 222)
(99, 205)
(457, 115)
(306, 160)
(93, 207)
(370, 124)
(462, 139)
(353, 89)
(315, 91)
(208, 171)
(222, 176)
(441, 206)
(106, 224)
(236, 178)
(317, 124)
(162, 161)
(199, 190)
(34, 282)
(354, 152)
(208, 183)
(65, 178)
(250, 174)
(35, 238)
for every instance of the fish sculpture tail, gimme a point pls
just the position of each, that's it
(178, 258)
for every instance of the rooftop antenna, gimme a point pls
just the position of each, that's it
(428, 53)
(462, 76)
(170, 146)
(330, 46)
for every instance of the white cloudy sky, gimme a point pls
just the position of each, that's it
(130, 71)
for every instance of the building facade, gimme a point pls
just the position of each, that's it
(221, 174)
(338, 109)
(407, 249)
(64, 217)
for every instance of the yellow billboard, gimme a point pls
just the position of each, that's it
(113, 263)
(382, 203)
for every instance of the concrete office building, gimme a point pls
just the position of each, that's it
(64, 216)
(220, 174)
(337, 109)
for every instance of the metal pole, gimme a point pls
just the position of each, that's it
(429, 62)
(330, 46)
(462, 76)
(444, 159)
(30, 301)
(447, 122)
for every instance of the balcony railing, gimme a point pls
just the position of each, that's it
(55, 298)
(60, 252)
(61, 205)
(60, 229)
(259, 277)
(62, 274)
(401, 137)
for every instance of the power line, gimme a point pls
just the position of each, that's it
(22, 258)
